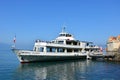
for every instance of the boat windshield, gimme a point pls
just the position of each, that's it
(66, 35)
(62, 34)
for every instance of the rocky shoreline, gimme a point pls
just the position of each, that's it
(116, 56)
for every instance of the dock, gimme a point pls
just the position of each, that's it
(103, 56)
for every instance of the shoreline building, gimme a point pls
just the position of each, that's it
(113, 44)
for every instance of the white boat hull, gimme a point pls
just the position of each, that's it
(31, 56)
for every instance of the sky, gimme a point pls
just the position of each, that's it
(87, 20)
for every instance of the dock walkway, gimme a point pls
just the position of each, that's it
(104, 56)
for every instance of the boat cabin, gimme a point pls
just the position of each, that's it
(70, 46)
(64, 43)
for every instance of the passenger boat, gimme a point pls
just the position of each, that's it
(64, 47)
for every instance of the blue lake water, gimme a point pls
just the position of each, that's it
(11, 69)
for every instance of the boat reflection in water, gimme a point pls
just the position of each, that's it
(69, 70)
(50, 70)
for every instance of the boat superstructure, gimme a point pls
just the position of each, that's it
(65, 46)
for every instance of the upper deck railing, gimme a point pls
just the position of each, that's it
(53, 44)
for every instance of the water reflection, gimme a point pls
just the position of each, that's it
(70, 70)
(50, 70)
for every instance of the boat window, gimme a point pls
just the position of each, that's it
(60, 42)
(60, 50)
(53, 49)
(69, 50)
(41, 49)
(53, 41)
(68, 43)
(87, 50)
(74, 43)
(76, 50)
(68, 35)
(62, 34)
(87, 44)
(50, 49)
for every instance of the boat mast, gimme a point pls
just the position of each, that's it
(63, 30)
(14, 42)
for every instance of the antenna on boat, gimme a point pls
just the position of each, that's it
(63, 30)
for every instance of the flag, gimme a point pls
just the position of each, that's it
(14, 40)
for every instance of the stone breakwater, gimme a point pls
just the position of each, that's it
(116, 56)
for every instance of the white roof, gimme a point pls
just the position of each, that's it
(65, 36)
